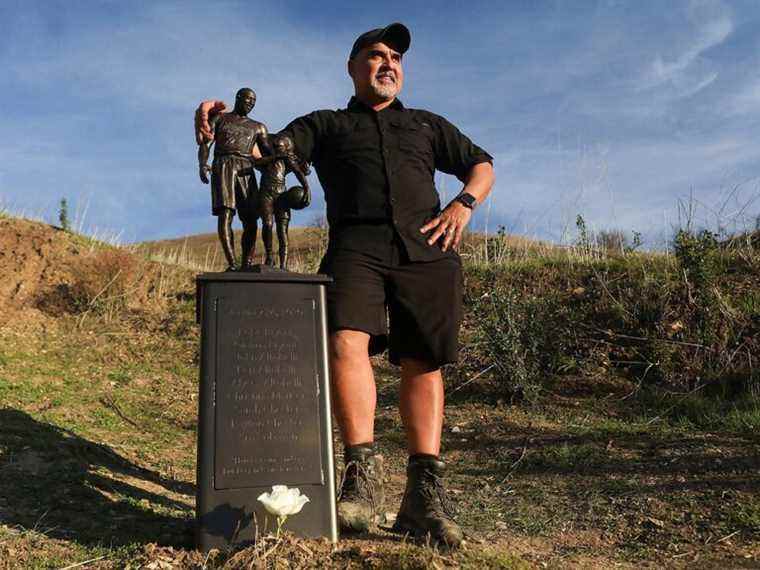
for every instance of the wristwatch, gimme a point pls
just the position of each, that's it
(467, 200)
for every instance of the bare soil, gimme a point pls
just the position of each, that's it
(34, 259)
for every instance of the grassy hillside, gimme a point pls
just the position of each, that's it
(605, 412)
(204, 252)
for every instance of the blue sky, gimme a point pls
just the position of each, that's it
(614, 109)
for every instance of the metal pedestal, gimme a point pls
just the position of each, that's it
(264, 405)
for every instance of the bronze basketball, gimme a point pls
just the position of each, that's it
(295, 198)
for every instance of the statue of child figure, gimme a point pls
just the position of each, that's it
(274, 203)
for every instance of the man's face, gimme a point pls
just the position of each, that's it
(377, 72)
(246, 100)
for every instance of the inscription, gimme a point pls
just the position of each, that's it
(271, 313)
(265, 465)
(267, 396)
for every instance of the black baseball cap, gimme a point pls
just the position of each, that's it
(395, 35)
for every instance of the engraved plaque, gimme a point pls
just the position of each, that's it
(264, 405)
(267, 390)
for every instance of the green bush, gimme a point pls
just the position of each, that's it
(690, 320)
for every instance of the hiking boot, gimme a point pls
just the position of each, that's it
(425, 509)
(361, 494)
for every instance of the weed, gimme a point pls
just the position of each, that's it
(746, 516)
(63, 215)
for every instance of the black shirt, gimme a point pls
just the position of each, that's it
(378, 168)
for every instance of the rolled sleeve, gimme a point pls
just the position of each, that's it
(455, 153)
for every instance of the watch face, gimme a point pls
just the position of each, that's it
(467, 199)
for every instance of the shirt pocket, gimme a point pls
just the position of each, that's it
(414, 141)
(349, 136)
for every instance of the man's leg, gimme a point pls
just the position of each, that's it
(424, 509)
(425, 316)
(353, 386)
(224, 229)
(354, 399)
(421, 406)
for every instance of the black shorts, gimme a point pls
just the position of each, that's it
(418, 303)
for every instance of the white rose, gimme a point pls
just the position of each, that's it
(282, 501)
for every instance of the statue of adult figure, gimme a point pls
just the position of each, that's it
(235, 136)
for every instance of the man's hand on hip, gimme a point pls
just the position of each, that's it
(203, 132)
(449, 224)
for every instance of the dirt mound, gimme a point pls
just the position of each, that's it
(48, 272)
(35, 258)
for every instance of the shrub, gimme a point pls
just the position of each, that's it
(63, 215)
(689, 320)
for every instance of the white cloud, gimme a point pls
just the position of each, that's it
(629, 185)
(685, 70)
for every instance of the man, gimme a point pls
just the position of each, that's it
(236, 136)
(391, 247)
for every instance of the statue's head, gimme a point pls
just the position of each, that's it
(245, 100)
(282, 144)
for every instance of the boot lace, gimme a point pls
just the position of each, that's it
(432, 490)
(356, 483)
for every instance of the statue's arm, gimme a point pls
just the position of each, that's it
(263, 161)
(295, 166)
(204, 150)
(262, 142)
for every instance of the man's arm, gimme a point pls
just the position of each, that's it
(203, 128)
(458, 155)
(454, 218)
(306, 133)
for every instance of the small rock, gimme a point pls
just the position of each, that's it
(456, 429)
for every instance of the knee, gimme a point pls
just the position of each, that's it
(347, 345)
(412, 367)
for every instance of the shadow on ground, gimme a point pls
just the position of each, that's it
(55, 482)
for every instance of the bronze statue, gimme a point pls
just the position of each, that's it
(274, 203)
(235, 136)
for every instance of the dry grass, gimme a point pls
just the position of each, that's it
(595, 470)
